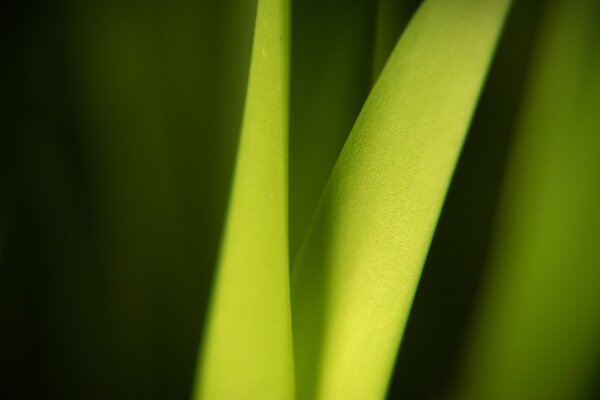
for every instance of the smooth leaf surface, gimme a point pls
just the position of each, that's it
(358, 268)
(448, 287)
(248, 344)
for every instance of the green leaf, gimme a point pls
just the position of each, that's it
(248, 344)
(358, 268)
(536, 335)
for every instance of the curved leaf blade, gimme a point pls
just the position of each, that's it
(358, 268)
(248, 344)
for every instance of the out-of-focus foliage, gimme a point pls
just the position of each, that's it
(539, 320)
(358, 269)
(121, 126)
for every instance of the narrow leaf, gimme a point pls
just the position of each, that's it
(358, 268)
(248, 344)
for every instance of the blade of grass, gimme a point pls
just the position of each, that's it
(358, 268)
(248, 343)
(538, 328)
(443, 304)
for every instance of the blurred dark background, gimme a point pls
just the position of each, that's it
(120, 121)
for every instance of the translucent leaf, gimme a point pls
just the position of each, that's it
(248, 344)
(358, 268)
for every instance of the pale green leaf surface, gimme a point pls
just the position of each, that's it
(537, 335)
(248, 344)
(358, 268)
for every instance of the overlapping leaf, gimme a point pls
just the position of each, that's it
(248, 344)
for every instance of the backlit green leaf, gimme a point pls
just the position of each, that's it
(358, 268)
(248, 345)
